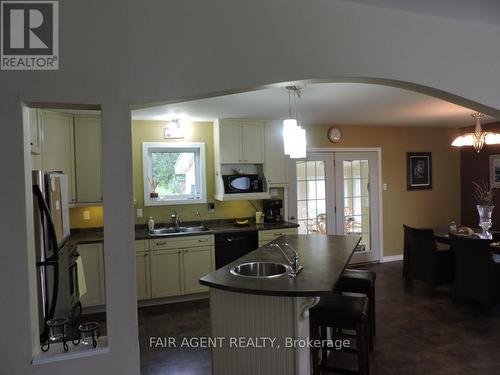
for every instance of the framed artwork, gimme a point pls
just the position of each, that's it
(495, 171)
(419, 170)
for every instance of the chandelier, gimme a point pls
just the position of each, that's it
(294, 136)
(478, 138)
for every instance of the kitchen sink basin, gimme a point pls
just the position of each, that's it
(260, 269)
(172, 230)
(199, 228)
(162, 231)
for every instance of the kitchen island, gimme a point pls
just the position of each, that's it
(264, 322)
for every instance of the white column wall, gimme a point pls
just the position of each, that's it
(121, 53)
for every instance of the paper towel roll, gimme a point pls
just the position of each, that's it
(82, 285)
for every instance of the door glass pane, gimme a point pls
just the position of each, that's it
(356, 174)
(311, 199)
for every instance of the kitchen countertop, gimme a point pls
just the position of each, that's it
(324, 259)
(94, 235)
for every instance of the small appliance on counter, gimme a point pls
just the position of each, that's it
(242, 183)
(272, 210)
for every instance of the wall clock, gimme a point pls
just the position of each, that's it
(334, 134)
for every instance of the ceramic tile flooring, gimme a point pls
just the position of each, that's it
(418, 332)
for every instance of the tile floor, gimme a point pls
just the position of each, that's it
(418, 332)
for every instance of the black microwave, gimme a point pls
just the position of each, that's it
(242, 183)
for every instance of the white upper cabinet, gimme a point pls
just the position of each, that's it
(72, 144)
(35, 130)
(252, 142)
(276, 164)
(58, 147)
(88, 159)
(230, 142)
(241, 142)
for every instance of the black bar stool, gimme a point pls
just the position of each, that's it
(338, 313)
(361, 282)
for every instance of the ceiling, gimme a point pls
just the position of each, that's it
(323, 103)
(482, 11)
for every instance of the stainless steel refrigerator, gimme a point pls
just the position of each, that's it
(58, 294)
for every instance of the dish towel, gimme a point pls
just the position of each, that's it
(82, 285)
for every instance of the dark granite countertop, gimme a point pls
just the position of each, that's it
(93, 235)
(324, 259)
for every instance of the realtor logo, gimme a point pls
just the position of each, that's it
(29, 35)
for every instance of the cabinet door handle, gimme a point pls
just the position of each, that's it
(277, 234)
(246, 160)
(146, 254)
(160, 243)
(204, 240)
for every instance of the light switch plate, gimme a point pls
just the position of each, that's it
(273, 192)
(86, 215)
(384, 186)
(139, 213)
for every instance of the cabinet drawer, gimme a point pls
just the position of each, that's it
(269, 235)
(181, 242)
(141, 245)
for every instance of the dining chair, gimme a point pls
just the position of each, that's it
(423, 261)
(477, 270)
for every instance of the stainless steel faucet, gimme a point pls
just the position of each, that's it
(294, 262)
(175, 220)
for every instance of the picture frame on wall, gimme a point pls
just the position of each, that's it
(495, 171)
(419, 170)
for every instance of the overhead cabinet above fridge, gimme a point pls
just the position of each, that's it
(72, 144)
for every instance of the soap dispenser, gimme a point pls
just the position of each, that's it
(151, 224)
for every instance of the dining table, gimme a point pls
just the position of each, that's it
(442, 236)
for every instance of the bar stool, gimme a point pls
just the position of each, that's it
(338, 313)
(361, 282)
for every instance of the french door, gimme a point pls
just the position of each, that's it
(337, 193)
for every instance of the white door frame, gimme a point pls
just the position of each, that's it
(378, 150)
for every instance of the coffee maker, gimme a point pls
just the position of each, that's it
(272, 210)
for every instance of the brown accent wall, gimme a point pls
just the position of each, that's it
(475, 167)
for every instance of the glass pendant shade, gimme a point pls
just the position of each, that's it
(299, 148)
(478, 138)
(294, 136)
(289, 126)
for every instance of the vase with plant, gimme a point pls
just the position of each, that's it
(153, 182)
(484, 203)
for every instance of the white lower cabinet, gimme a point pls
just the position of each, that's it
(266, 236)
(93, 269)
(178, 263)
(166, 273)
(197, 262)
(143, 275)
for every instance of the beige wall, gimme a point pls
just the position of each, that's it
(425, 208)
(152, 131)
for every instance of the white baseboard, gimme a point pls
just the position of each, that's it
(392, 258)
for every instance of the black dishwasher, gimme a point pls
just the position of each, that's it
(231, 246)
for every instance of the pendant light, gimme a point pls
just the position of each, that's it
(478, 138)
(294, 136)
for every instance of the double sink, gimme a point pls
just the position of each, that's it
(167, 231)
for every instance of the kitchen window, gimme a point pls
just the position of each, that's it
(174, 173)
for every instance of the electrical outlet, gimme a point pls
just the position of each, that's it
(86, 215)
(139, 213)
(211, 208)
(384, 186)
